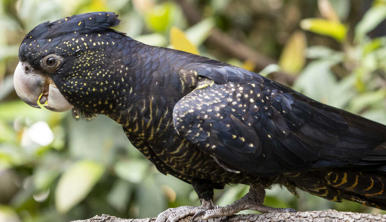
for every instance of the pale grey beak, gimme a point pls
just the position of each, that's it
(33, 88)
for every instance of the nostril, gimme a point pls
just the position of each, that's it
(27, 69)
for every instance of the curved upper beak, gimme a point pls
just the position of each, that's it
(38, 90)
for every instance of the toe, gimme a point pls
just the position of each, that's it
(176, 214)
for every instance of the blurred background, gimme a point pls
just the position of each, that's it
(53, 168)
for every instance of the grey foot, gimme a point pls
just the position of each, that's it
(253, 200)
(230, 210)
(176, 214)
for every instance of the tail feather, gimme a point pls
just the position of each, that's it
(363, 187)
(367, 188)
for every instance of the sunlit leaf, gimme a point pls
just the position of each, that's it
(269, 69)
(377, 115)
(179, 41)
(131, 170)
(372, 46)
(233, 193)
(7, 214)
(154, 39)
(342, 8)
(317, 52)
(198, 33)
(143, 6)
(95, 6)
(6, 86)
(309, 82)
(159, 18)
(248, 65)
(292, 58)
(76, 183)
(370, 20)
(17, 109)
(325, 27)
(367, 99)
(327, 11)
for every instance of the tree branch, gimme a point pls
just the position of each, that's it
(327, 215)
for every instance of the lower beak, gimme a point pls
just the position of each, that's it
(38, 90)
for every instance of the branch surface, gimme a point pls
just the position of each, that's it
(318, 216)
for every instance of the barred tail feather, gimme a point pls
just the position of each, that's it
(363, 187)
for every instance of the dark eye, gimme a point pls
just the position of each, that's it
(51, 62)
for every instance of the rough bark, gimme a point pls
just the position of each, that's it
(317, 216)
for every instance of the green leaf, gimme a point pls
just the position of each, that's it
(378, 115)
(198, 33)
(159, 18)
(16, 109)
(131, 170)
(76, 183)
(370, 20)
(292, 58)
(97, 139)
(6, 86)
(154, 39)
(151, 200)
(341, 7)
(367, 99)
(327, 10)
(269, 69)
(319, 52)
(333, 29)
(314, 74)
(232, 193)
(119, 196)
(7, 214)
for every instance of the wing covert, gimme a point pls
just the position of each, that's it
(264, 128)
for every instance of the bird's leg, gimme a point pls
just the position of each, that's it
(205, 193)
(253, 200)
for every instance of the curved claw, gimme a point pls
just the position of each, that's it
(197, 215)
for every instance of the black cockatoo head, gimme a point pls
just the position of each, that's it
(73, 62)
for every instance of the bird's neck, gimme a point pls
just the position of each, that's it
(152, 85)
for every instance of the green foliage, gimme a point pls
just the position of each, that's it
(53, 168)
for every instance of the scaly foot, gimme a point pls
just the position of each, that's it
(176, 214)
(253, 200)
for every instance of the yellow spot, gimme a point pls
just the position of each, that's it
(234, 136)
(242, 139)
(79, 23)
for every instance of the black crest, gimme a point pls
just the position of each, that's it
(82, 23)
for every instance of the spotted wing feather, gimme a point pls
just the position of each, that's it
(263, 128)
